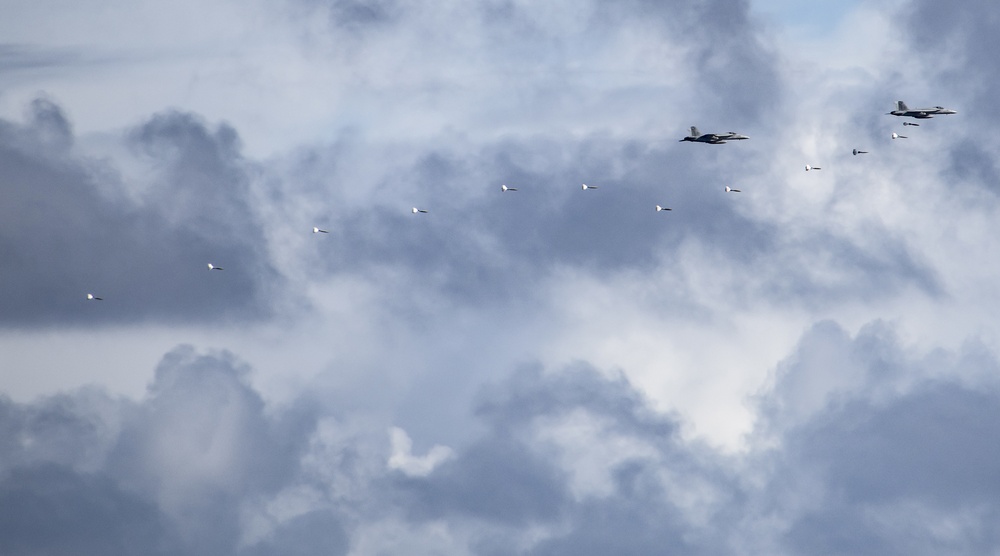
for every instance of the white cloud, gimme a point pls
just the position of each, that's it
(402, 458)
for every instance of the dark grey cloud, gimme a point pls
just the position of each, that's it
(883, 449)
(882, 463)
(511, 480)
(316, 533)
(15, 57)
(957, 49)
(70, 430)
(170, 474)
(858, 469)
(51, 509)
(202, 443)
(66, 230)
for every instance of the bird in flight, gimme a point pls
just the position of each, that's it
(319, 231)
(213, 267)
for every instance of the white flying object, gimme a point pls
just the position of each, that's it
(586, 187)
(213, 267)
(731, 190)
(93, 297)
(808, 167)
(319, 231)
(415, 210)
(898, 136)
(659, 208)
(856, 152)
(505, 188)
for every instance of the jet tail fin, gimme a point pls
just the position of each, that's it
(695, 132)
(901, 106)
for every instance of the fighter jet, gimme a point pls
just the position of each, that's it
(731, 190)
(319, 230)
(213, 267)
(92, 297)
(505, 189)
(659, 208)
(415, 210)
(808, 167)
(856, 152)
(919, 113)
(911, 123)
(898, 136)
(586, 187)
(712, 138)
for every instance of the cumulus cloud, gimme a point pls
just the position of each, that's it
(588, 362)
(68, 229)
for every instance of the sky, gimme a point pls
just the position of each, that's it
(808, 366)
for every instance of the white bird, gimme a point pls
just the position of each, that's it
(586, 187)
(808, 167)
(93, 297)
(659, 208)
(898, 136)
(319, 231)
(415, 210)
(505, 188)
(856, 152)
(213, 267)
(731, 190)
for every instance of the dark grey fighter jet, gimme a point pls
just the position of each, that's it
(919, 113)
(712, 138)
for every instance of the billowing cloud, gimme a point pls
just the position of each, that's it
(807, 366)
(72, 225)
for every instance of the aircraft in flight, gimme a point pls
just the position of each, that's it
(919, 113)
(712, 138)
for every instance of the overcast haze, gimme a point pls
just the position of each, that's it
(809, 366)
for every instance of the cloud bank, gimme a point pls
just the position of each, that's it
(808, 366)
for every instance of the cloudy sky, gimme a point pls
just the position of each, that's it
(810, 366)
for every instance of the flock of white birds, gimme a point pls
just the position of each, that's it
(902, 110)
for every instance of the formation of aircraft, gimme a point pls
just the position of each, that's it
(712, 138)
(919, 113)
